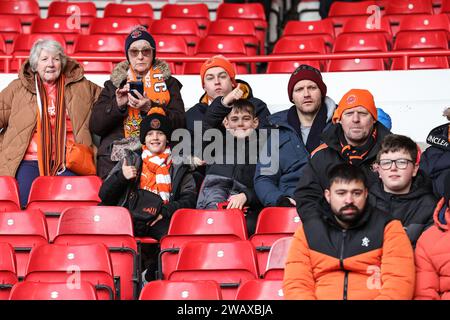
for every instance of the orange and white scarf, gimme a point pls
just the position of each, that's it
(155, 176)
(156, 90)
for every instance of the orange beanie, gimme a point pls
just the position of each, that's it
(356, 98)
(218, 61)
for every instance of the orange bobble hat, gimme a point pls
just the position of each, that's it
(218, 61)
(356, 98)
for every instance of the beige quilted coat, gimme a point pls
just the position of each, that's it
(18, 112)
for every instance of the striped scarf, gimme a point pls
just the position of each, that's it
(51, 143)
(156, 90)
(356, 155)
(155, 176)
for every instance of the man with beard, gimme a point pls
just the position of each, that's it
(355, 138)
(349, 250)
(299, 129)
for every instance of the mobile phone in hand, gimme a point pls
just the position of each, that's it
(138, 86)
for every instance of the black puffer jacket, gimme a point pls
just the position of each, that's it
(314, 176)
(414, 209)
(116, 191)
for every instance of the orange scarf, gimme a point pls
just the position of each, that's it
(156, 90)
(155, 176)
(51, 151)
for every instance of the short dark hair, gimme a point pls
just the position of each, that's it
(397, 142)
(244, 105)
(346, 172)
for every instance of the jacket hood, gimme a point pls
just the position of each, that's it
(280, 118)
(420, 186)
(119, 73)
(73, 72)
(441, 215)
(440, 137)
(203, 98)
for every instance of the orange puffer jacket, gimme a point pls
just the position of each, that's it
(372, 260)
(433, 258)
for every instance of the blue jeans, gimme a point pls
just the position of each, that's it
(26, 173)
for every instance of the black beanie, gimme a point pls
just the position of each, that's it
(140, 33)
(155, 121)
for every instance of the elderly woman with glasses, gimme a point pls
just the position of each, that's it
(43, 111)
(135, 86)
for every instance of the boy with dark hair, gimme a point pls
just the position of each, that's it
(229, 175)
(403, 190)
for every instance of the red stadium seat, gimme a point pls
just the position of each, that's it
(439, 22)
(71, 264)
(247, 11)
(8, 275)
(277, 257)
(183, 28)
(54, 194)
(113, 25)
(356, 64)
(273, 223)
(261, 289)
(237, 28)
(26, 10)
(370, 42)
(141, 11)
(323, 28)
(23, 230)
(340, 12)
(228, 263)
(289, 66)
(103, 67)
(172, 46)
(10, 28)
(84, 11)
(196, 11)
(30, 290)
(360, 25)
(214, 45)
(111, 226)
(181, 290)
(189, 225)
(9, 194)
(99, 45)
(398, 10)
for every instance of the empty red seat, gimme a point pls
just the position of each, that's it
(113, 25)
(26, 10)
(356, 64)
(273, 223)
(277, 257)
(56, 25)
(196, 11)
(10, 28)
(9, 194)
(340, 12)
(186, 29)
(228, 263)
(189, 225)
(261, 289)
(101, 45)
(181, 290)
(323, 28)
(370, 42)
(82, 12)
(398, 10)
(438, 22)
(237, 28)
(141, 11)
(23, 230)
(8, 275)
(30, 290)
(111, 226)
(103, 67)
(289, 66)
(361, 25)
(54, 194)
(172, 46)
(71, 264)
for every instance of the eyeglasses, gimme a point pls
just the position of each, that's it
(146, 52)
(386, 164)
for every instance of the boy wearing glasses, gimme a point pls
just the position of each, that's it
(404, 191)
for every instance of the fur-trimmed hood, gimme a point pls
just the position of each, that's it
(119, 73)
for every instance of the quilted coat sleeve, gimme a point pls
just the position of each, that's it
(427, 277)
(6, 97)
(397, 264)
(298, 282)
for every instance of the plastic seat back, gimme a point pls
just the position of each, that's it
(277, 257)
(86, 12)
(8, 274)
(356, 64)
(142, 11)
(198, 12)
(323, 28)
(228, 263)
(181, 290)
(261, 289)
(30, 290)
(289, 66)
(113, 25)
(9, 194)
(23, 230)
(71, 264)
(111, 226)
(27, 10)
(10, 28)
